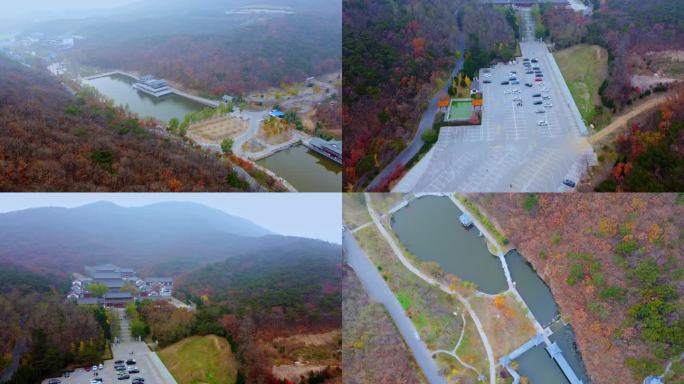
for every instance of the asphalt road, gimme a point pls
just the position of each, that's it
(379, 291)
(151, 368)
(426, 121)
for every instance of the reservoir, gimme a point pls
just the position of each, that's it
(120, 89)
(532, 288)
(429, 228)
(306, 170)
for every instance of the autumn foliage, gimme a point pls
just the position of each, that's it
(52, 141)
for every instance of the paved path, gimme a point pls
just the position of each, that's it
(379, 291)
(476, 320)
(426, 121)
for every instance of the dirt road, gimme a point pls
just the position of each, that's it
(622, 120)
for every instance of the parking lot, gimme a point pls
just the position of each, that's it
(151, 368)
(519, 146)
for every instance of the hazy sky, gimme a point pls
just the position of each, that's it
(28, 7)
(313, 215)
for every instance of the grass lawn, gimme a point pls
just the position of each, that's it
(584, 68)
(201, 360)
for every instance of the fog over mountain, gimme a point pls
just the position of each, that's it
(165, 238)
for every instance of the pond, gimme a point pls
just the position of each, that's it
(532, 288)
(539, 368)
(429, 228)
(306, 170)
(120, 89)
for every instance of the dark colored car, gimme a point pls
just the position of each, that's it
(534, 60)
(134, 370)
(537, 102)
(528, 85)
(486, 81)
(130, 362)
(138, 380)
(569, 183)
(118, 362)
(537, 95)
(504, 83)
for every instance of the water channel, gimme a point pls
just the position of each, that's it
(306, 170)
(539, 368)
(429, 228)
(120, 89)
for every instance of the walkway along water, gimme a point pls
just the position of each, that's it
(537, 298)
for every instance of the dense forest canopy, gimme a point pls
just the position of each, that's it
(628, 29)
(614, 263)
(280, 288)
(396, 55)
(52, 141)
(48, 333)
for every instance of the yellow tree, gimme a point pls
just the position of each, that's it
(467, 82)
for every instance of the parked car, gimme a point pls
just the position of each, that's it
(94, 368)
(138, 380)
(569, 183)
(540, 111)
(537, 102)
(528, 85)
(546, 97)
(130, 362)
(548, 105)
(542, 123)
(534, 60)
(486, 81)
(88, 368)
(515, 82)
(538, 79)
(54, 381)
(133, 370)
(536, 95)
(123, 376)
(504, 83)
(100, 367)
(117, 362)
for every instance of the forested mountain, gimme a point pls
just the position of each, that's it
(52, 141)
(282, 288)
(614, 263)
(211, 45)
(396, 55)
(163, 239)
(40, 333)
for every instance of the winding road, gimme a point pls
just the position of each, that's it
(426, 122)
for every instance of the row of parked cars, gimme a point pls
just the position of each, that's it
(125, 369)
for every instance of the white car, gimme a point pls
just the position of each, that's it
(542, 123)
(101, 367)
(94, 368)
(546, 97)
(507, 92)
(540, 111)
(548, 105)
(516, 91)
